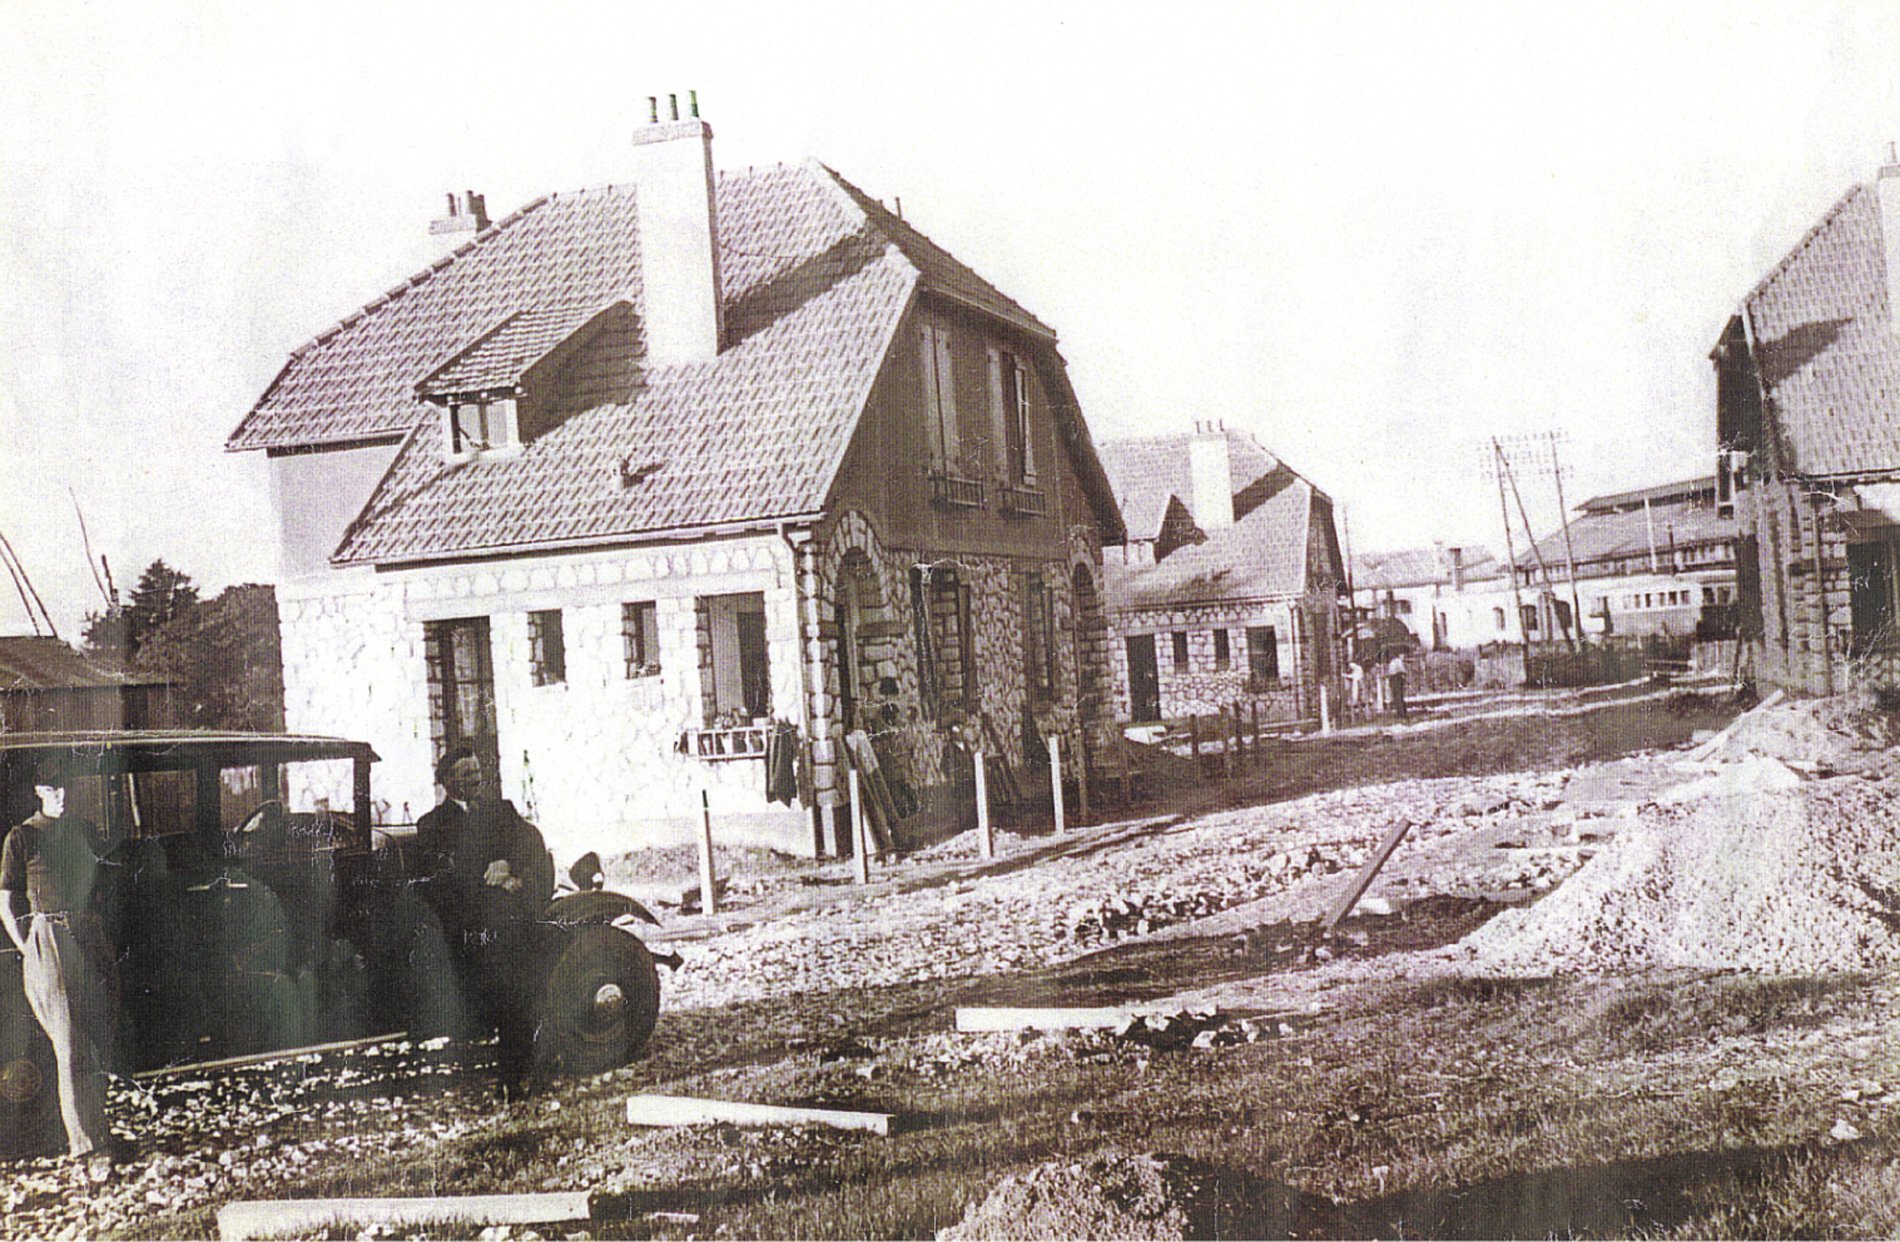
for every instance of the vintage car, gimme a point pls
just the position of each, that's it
(256, 905)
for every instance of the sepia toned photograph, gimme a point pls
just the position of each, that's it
(1045, 620)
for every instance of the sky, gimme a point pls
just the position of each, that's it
(1372, 235)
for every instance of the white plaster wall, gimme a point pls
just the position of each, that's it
(593, 759)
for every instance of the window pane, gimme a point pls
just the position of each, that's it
(547, 650)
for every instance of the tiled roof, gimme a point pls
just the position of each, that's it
(1687, 489)
(815, 281)
(1420, 567)
(1146, 471)
(1607, 534)
(357, 381)
(1825, 345)
(1261, 556)
(941, 272)
(38, 663)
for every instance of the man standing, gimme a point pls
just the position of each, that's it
(1395, 683)
(488, 875)
(49, 873)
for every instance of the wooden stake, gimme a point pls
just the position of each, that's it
(1325, 711)
(1055, 777)
(1227, 736)
(708, 882)
(676, 1110)
(1194, 732)
(860, 838)
(263, 1218)
(984, 836)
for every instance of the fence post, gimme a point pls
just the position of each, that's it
(1194, 731)
(860, 837)
(983, 835)
(1325, 709)
(1055, 777)
(1081, 779)
(1227, 737)
(708, 882)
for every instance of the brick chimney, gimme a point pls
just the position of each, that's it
(679, 235)
(1210, 477)
(466, 215)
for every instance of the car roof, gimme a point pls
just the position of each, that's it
(161, 750)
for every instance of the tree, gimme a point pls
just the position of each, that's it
(224, 660)
(162, 595)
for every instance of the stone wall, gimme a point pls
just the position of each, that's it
(913, 731)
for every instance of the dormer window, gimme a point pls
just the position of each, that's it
(477, 425)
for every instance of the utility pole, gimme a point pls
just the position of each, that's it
(1543, 569)
(1510, 551)
(1570, 550)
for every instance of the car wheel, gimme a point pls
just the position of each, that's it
(601, 1002)
(29, 1085)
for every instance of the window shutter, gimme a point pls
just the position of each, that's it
(1021, 414)
(947, 398)
(933, 412)
(999, 425)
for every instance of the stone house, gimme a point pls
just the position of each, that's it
(1227, 589)
(640, 483)
(1808, 440)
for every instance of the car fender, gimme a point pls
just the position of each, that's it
(595, 906)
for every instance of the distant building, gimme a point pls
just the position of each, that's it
(1653, 561)
(1808, 440)
(45, 684)
(1448, 597)
(1227, 590)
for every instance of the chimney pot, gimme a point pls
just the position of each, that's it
(465, 215)
(653, 109)
(692, 98)
(673, 102)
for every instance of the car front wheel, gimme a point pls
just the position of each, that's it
(601, 1002)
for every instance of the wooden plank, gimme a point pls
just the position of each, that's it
(267, 1058)
(1367, 874)
(679, 1110)
(1009, 1018)
(1709, 747)
(266, 1218)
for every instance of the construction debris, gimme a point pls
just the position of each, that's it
(1010, 1019)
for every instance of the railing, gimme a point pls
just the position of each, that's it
(1025, 501)
(955, 491)
(719, 745)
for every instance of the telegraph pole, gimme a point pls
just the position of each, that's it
(1510, 551)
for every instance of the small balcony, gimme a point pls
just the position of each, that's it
(955, 492)
(1024, 501)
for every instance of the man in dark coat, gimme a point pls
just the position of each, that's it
(50, 886)
(488, 875)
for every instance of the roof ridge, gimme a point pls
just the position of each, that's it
(1807, 239)
(424, 276)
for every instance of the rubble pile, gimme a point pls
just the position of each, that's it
(1117, 1194)
(1790, 881)
(1838, 734)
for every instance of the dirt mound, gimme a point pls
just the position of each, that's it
(1796, 881)
(1835, 732)
(1108, 1195)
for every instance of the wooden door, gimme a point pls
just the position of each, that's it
(1144, 679)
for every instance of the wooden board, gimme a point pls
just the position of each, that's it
(1021, 1019)
(1714, 744)
(265, 1218)
(679, 1110)
(880, 812)
(1367, 874)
